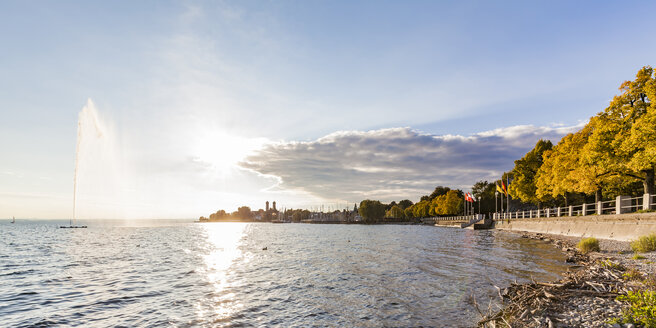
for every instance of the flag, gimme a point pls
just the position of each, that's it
(469, 198)
(499, 188)
(505, 190)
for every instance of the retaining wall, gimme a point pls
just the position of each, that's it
(625, 227)
(449, 223)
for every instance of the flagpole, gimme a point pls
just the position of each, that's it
(508, 192)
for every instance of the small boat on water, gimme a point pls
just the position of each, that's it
(71, 226)
(13, 219)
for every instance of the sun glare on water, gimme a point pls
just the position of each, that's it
(223, 241)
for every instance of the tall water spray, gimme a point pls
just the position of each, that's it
(95, 151)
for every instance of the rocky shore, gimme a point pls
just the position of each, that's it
(587, 294)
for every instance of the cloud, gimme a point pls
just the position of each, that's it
(396, 163)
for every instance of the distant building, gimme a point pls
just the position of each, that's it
(267, 206)
(274, 206)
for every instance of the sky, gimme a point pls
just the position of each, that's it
(200, 106)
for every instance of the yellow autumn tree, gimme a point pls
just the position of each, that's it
(619, 141)
(554, 177)
(449, 204)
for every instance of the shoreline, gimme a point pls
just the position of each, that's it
(586, 295)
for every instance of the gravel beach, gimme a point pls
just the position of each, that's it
(587, 294)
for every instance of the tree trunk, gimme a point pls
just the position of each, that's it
(598, 195)
(648, 182)
(565, 196)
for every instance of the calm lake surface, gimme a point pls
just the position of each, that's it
(178, 274)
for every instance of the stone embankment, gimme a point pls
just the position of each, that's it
(623, 227)
(587, 294)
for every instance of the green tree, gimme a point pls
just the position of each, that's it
(405, 204)
(395, 212)
(524, 174)
(439, 191)
(421, 209)
(244, 213)
(371, 210)
(484, 191)
(408, 212)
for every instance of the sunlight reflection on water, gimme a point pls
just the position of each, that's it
(223, 241)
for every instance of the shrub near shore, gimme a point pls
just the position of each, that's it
(644, 244)
(642, 308)
(587, 245)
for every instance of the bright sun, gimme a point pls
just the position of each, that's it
(224, 151)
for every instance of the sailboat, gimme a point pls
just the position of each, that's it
(13, 219)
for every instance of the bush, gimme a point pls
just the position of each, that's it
(642, 308)
(644, 244)
(587, 245)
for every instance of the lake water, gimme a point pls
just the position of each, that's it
(179, 274)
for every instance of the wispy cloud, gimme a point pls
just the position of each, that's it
(395, 163)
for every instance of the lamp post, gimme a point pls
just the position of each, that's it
(479, 204)
(496, 201)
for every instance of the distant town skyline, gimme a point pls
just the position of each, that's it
(210, 105)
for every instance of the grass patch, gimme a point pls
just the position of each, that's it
(642, 310)
(611, 265)
(637, 256)
(644, 244)
(587, 245)
(632, 274)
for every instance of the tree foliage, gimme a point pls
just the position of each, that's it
(620, 140)
(484, 191)
(610, 154)
(244, 213)
(439, 191)
(405, 204)
(395, 212)
(371, 210)
(524, 184)
(448, 204)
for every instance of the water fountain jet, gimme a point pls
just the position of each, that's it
(87, 119)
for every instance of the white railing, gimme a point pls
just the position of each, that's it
(621, 205)
(454, 218)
